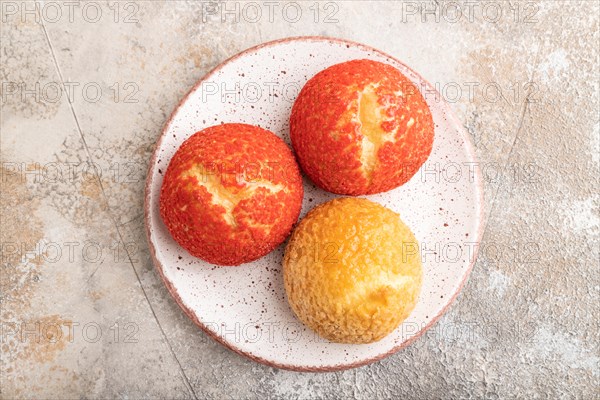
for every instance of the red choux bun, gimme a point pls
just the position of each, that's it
(361, 127)
(231, 193)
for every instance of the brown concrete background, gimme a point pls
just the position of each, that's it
(526, 324)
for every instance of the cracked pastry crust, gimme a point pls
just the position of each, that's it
(231, 193)
(352, 270)
(361, 127)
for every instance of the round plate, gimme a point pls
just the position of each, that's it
(245, 307)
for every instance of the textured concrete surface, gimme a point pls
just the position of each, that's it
(84, 314)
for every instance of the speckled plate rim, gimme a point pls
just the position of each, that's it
(190, 313)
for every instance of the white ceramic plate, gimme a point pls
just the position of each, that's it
(245, 307)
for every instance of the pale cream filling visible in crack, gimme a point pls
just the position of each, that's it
(373, 290)
(369, 116)
(224, 197)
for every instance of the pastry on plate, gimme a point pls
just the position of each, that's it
(352, 270)
(231, 193)
(361, 127)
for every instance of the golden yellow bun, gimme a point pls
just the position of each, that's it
(352, 270)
